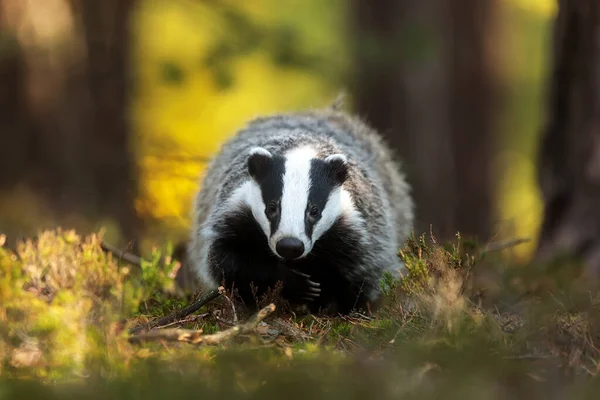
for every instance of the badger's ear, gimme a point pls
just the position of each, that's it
(338, 165)
(259, 161)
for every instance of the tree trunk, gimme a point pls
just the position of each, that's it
(569, 155)
(16, 137)
(470, 102)
(64, 105)
(422, 79)
(111, 161)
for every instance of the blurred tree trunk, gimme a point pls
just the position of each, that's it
(424, 79)
(569, 159)
(114, 173)
(63, 92)
(14, 133)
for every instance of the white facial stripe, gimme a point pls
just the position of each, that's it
(330, 213)
(339, 203)
(296, 185)
(249, 194)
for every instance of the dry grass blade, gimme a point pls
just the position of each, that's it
(187, 320)
(506, 244)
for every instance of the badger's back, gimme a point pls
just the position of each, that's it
(328, 130)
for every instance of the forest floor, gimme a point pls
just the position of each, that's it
(462, 325)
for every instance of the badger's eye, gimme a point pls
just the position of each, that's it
(313, 212)
(272, 209)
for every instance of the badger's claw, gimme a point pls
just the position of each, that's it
(314, 289)
(300, 273)
(312, 294)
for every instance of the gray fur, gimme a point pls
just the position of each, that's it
(378, 187)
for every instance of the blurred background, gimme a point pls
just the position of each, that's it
(110, 109)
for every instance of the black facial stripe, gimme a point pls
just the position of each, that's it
(322, 182)
(271, 186)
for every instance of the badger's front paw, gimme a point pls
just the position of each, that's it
(312, 290)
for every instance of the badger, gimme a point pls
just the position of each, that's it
(312, 200)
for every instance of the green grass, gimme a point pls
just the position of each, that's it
(460, 325)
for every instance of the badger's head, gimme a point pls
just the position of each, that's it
(296, 197)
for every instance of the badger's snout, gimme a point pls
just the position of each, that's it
(289, 248)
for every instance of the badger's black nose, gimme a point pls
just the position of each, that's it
(289, 248)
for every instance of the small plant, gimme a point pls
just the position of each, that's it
(414, 256)
(157, 272)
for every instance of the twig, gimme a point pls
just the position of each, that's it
(192, 318)
(262, 314)
(195, 306)
(529, 357)
(360, 316)
(124, 255)
(496, 246)
(235, 318)
(196, 337)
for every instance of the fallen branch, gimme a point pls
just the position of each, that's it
(196, 337)
(184, 312)
(121, 254)
(172, 334)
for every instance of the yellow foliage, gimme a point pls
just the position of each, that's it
(196, 116)
(520, 203)
(522, 60)
(58, 300)
(543, 7)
